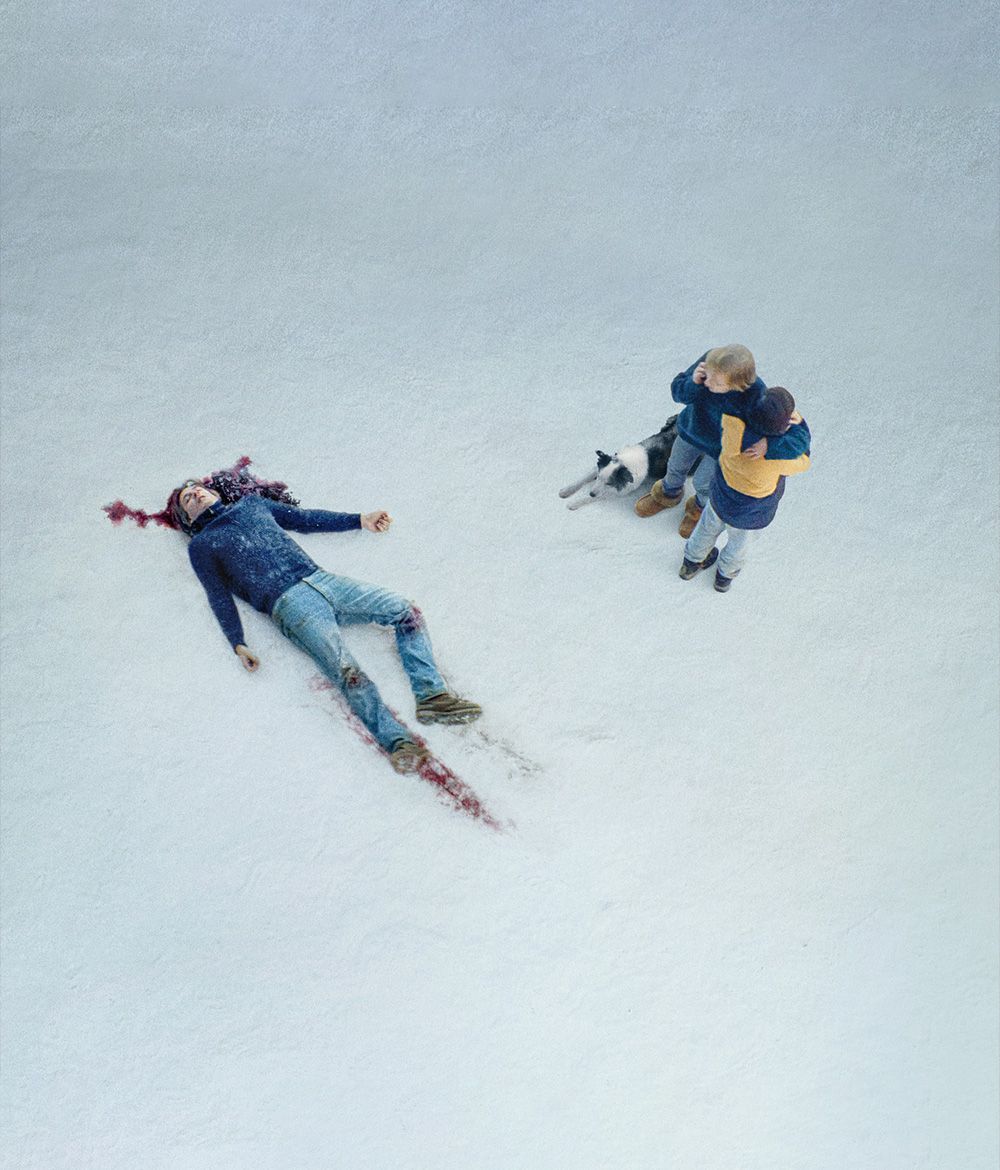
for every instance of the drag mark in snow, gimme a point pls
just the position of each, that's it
(458, 794)
(518, 763)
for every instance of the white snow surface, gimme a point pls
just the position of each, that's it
(428, 257)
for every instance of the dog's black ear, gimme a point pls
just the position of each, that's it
(603, 459)
(620, 478)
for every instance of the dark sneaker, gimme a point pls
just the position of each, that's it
(446, 708)
(656, 499)
(407, 756)
(722, 583)
(691, 568)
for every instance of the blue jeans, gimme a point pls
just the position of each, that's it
(682, 459)
(707, 531)
(311, 613)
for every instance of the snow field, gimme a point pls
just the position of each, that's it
(746, 916)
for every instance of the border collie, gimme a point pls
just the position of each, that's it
(627, 469)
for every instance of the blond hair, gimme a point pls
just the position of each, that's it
(735, 363)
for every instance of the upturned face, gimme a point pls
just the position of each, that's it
(194, 498)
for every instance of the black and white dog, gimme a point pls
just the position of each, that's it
(627, 469)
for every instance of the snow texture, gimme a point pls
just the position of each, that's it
(428, 256)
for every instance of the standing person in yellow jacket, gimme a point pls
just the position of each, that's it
(746, 489)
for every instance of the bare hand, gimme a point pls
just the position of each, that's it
(248, 658)
(756, 450)
(700, 373)
(376, 521)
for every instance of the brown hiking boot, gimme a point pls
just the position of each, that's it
(446, 708)
(407, 756)
(692, 514)
(656, 499)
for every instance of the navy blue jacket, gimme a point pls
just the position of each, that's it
(241, 548)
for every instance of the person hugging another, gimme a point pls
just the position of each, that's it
(722, 381)
(746, 489)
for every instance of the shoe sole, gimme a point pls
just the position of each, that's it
(457, 717)
(410, 766)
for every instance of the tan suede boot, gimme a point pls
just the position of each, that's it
(656, 500)
(692, 514)
(406, 756)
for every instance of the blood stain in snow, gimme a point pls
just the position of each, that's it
(459, 795)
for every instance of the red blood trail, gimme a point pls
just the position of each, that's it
(432, 771)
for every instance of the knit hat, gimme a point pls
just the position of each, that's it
(230, 484)
(772, 415)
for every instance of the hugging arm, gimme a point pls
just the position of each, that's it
(732, 441)
(793, 443)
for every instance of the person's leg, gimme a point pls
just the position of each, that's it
(701, 480)
(357, 601)
(701, 542)
(306, 619)
(669, 491)
(682, 459)
(734, 554)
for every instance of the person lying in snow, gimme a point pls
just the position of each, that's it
(242, 548)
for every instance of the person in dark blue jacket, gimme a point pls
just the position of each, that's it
(722, 381)
(243, 549)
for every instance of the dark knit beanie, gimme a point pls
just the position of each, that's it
(772, 415)
(230, 484)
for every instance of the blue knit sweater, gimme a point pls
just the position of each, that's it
(241, 548)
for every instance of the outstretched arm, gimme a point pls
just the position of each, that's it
(312, 519)
(377, 521)
(319, 520)
(217, 591)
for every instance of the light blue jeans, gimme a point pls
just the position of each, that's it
(311, 613)
(707, 531)
(682, 459)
